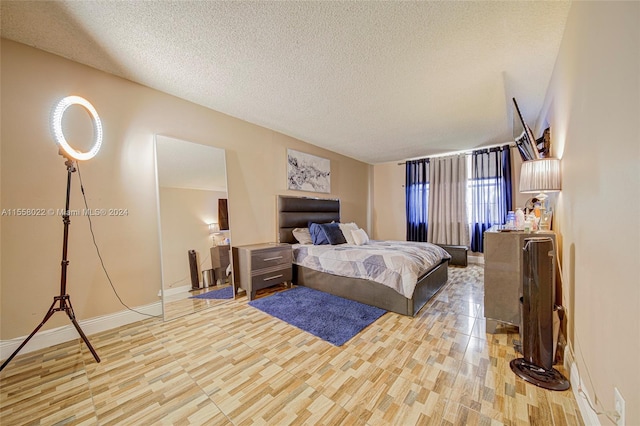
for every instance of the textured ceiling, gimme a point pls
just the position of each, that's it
(375, 81)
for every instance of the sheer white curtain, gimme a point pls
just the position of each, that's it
(448, 201)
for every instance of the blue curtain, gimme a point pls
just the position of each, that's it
(417, 198)
(490, 191)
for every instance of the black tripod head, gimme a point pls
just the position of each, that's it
(69, 161)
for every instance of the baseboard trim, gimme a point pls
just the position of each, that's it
(176, 290)
(588, 415)
(55, 336)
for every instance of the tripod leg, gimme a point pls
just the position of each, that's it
(72, 317)
(46, 317)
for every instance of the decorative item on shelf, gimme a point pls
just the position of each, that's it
(545, 220)
(544, 143)
(533, 205)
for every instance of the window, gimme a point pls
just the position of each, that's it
(483, 201)
(488, 191)
(417, 199)
(488, 194)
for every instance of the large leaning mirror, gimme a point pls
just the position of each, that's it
(193, 224)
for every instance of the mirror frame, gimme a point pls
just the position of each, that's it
(184, 304)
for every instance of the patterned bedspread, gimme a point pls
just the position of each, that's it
(396, 264)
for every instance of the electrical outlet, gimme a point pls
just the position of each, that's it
(619, 400)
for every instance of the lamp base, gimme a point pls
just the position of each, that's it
(539, 376)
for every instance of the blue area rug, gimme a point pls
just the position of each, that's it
(324, 315)
(221, 293)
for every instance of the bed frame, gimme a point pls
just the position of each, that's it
(297, 212)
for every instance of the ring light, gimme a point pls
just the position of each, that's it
(58, 112)
(62, 303)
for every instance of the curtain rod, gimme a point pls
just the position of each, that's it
(465, 152)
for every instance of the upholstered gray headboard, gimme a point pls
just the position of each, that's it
(297, 212)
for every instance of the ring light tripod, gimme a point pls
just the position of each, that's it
(62, 302)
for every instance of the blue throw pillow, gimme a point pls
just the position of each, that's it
(318, 235)
(334, 233)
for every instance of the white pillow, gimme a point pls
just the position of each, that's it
(302, 235)
(346, 229)
(360, 237)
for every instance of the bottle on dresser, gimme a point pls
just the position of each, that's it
(511, 220)
(519, 219)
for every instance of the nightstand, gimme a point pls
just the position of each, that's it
(259, 266)
(220, 262)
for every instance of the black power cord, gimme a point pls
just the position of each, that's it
(93, 237)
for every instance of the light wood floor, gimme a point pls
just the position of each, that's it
(235, 365)
(184, 303)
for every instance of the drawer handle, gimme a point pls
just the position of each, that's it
(273, 277)
(272, 258)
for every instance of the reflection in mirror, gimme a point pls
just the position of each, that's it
(192, 198)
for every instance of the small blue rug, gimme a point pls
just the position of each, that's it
(221, 293)
(324, 315)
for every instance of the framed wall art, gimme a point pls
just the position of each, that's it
(306, 172)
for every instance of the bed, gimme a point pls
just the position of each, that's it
(298, 212)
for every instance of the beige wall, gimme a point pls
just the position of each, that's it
(388, 202)
(593, 105)
(33, 175)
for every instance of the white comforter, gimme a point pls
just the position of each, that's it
(396, 264)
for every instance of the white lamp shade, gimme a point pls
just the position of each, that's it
(213, 228)
(542, 175)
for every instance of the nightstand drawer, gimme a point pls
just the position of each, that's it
(268, 258)
(267, 278)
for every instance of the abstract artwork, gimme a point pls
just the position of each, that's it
(306, 172)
